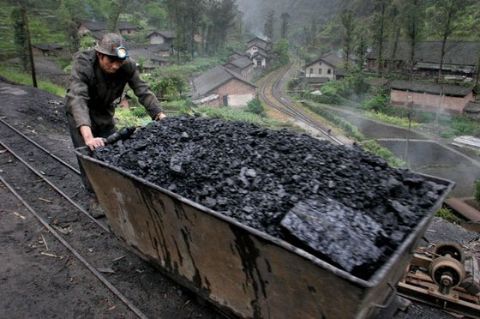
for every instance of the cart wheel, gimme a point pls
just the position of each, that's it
(452, 250)
(447, 273)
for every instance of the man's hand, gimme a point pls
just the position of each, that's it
(90, 141)
(160, 116)
(95, 142)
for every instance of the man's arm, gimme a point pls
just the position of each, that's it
(145, 96)
(91, 141)
(77, 95)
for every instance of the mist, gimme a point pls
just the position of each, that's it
(301, 11)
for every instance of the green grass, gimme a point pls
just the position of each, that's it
(448, 215)
(131, 117)
(230, 114)
(14, 75)
(389, 119)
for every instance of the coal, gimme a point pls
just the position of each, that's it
(344, 235)
(257, 175)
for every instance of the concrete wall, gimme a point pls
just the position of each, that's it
(431, 101)
(320, 70)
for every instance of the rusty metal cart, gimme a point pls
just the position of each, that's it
(242, 271)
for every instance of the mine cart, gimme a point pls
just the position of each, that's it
(243, 272)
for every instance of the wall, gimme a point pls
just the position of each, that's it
(430, 101)
(157, 39)
(320, 70)
(238, 93)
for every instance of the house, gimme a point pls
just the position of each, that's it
(222, 87)
(260, 59)
(161, 37)
(460, 58)
(241, 65)
(98, 28)
(433, 97)
(258, 44)
(125, 28)
(472, 110)
(47, 49)
(328, 67)
(150, 57)
(91, 27)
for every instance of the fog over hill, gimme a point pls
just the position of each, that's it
(301, 11)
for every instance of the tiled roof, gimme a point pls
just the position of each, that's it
(437, 89)
(165, 34)
(241, 62)
(457, 52)
(212, 79)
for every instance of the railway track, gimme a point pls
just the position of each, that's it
(270, 93)
(55, 209)
(48, 187)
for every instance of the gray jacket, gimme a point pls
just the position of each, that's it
(91, 93)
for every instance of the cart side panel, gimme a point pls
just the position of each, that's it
(233, 268)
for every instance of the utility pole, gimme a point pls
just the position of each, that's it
(29, 44)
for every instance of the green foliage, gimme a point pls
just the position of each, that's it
(230, 114)
(125, 117)
(139, 112)
(169, 88)
(394, 120)
(477, 190)
(255, 106)
(448, 215)
(375, 148)
(377, 103)
(280, 49)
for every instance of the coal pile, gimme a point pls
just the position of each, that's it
(257, 176)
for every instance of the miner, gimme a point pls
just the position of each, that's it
(98, 78)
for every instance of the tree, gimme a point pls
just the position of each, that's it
(444, 16)
(394, 18)
(284, 32)
(20, 37)
(414, 17)
(361, 46)
(348, 29)
(379, 33)
(269, 25)
(221, 17)
(280, 49)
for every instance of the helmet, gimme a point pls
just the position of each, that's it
(112, 44)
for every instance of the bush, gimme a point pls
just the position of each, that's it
(377, 103)
(169, 88)
(138, 111)
(255, 106)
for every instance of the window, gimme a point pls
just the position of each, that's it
(320, 71)
(311, 70)
(329, 71)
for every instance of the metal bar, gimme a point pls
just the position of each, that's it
(105, 228)
(40, 147)
(92, 269)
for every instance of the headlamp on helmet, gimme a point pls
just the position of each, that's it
(121, 52)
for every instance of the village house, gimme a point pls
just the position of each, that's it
(472, 110)
(222, 87)
(430, 96)
(241, 65)
(125, 28)
(98, 28)
(461, 58)
(48, 50)
(259, 50)
(328, 67)
(149, 57)
(161, 37)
